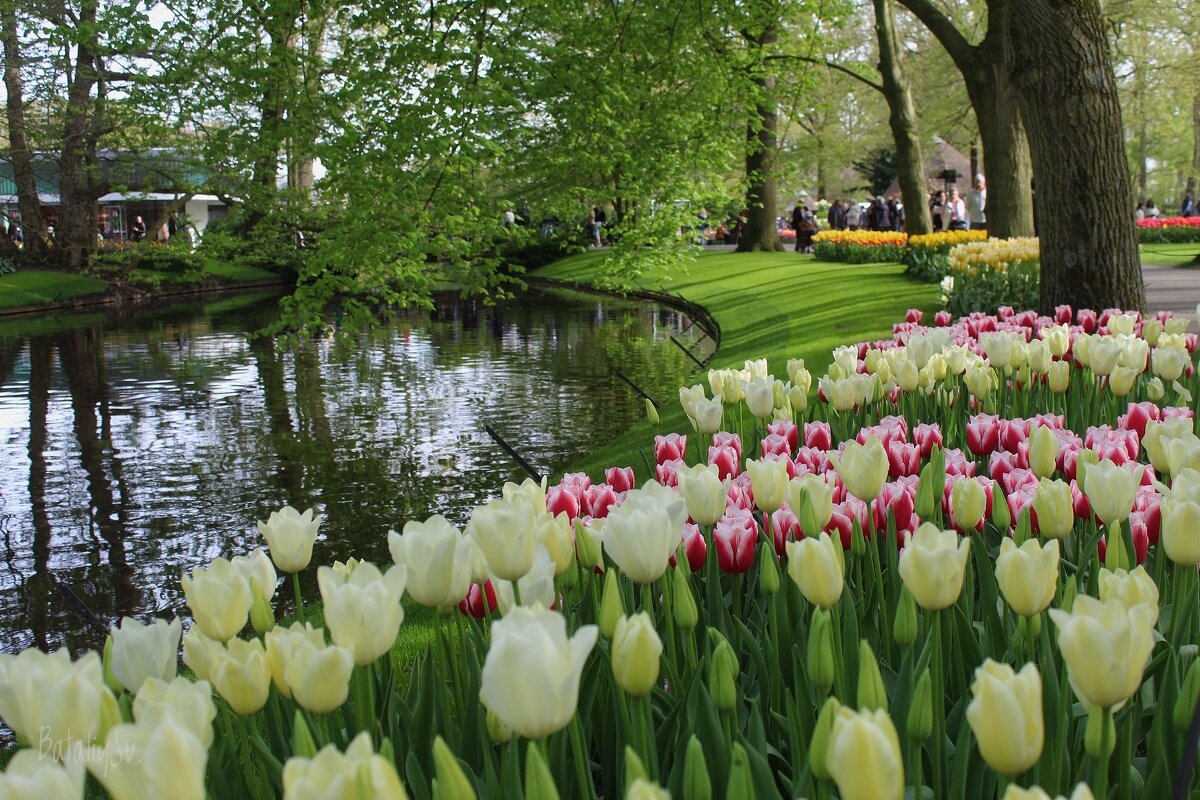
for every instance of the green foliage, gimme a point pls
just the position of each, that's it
(33, 287)
(7, 265)
(984, 288)
(851, 253)
(929, 264)
(1170, 234)
(878, 168)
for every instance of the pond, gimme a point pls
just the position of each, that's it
(139, 445)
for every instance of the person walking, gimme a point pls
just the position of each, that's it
(1188, 209)
(854, 215)
(956, 212)
(977, 204)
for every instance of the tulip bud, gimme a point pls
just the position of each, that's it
(612, 606)
(1189, 696)
(821, 669)
(722, 675)
(1055, 508)
(636, 651)
(451, 783)
(696, 783)
(635, 770)
(1005, 715)
(1155, 389)
(652, 413)
(498, 732)
(818, 747)
(262, 616)
(925, 500)
(1043, 451)
(1098, 720)
(968, 502)
(768, 569)
(904, 626)
(741, 781)
(1115, 557)
(303, 745)
(110, 679)
(683, 602)
(871, 694)
(1084, 460)
(1068, 594)
(539, 783)
(1001, 516)
(920, 713)
(858, 543)
(587, 547)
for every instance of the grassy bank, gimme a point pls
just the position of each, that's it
(769, 305)
(38, 286)
(1170, 255)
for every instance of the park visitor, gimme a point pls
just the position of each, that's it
(976, 204)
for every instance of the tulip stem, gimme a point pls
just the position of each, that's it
(1100, 782)
(939, 706)
(300, 615)
(583, 768)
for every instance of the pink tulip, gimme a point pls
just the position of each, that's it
(983, 434)
(561, 500)
(576, 483)
(814, 459)
(788, 430)
(621, 478)
(926, 436)
(726, 460)
(943, 319)
(776, 445)
(694, 547)
(1012, 433)
(598, 499)
(735, 536)
(473, 603)
(723, 439)
(1063, 315)
(1000, 464)
(666, 472)
(899, 498)
(1087, 320)
(903, 459)
(913, 315)
(818, 435)
(673, 445)
(785, 527)
(958, 464)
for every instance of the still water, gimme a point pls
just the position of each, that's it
(133, 447)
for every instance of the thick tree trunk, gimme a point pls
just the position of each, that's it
(76, 232)
(761, 148)
(1060, 62)
(303, 134)
(902, 117)
(1195, 140)
(1006, 160)
(22, 157)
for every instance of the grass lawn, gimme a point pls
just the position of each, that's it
(238, 272)
(1169, 255)
(41, 286)
(772, 305)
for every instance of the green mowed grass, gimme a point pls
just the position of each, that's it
(769, 305)
(43, 286)
(1170, 255)
(239, 272)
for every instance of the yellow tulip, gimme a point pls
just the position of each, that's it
(290, 536)
(863, 756)
(145, 651)
(1106, 647)
(1169, 363)
(932, 566)
(143, 760)
(438, 558)
(1181, 531)
(703, 493)
(1110, 489)
(535, 586)
(863, 468)
(1055, 508)
(1005, 714)
(241, 675)
(188, 703)
(1120, 381)
(636, 651)
(358, 772)
(531, 673)
(768, 483)
(31, 774)
(1015, 792)
(1027, 575)
(707, 415)
(1183, 453)
(319, 677)
(280, 645)
(816, 567)
(1131, 588)
(1059, 376)
(968, 503)
(219, 597)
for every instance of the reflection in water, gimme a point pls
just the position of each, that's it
(135, 448)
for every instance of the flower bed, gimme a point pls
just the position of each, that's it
(859, 247)
(969, 567)
(987, 275)
(927, 257)
(1169, 230)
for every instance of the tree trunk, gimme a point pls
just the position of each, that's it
(1195, 141)
(761, 148)
(1060, 62)
(1006, 160)
(36, 242)
(902, 117)
(75, 233)
(303, 133)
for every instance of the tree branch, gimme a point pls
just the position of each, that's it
(951, 38)
(831, 65)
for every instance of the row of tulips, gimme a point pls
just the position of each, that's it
(956, 574)
(1167, 230)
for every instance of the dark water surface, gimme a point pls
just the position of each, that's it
(132, 447)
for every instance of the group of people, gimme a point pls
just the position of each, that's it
(1189, 207)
